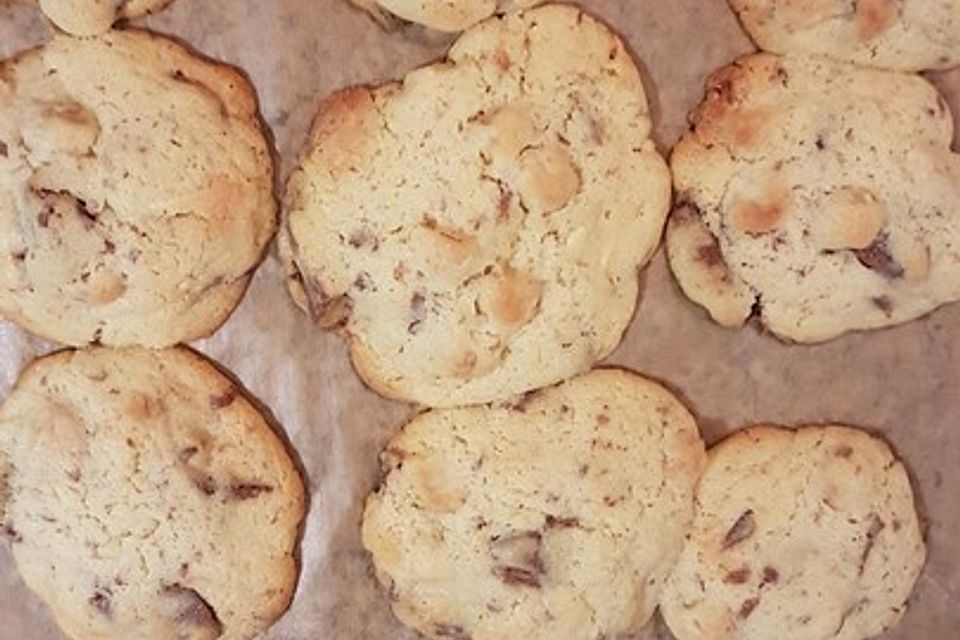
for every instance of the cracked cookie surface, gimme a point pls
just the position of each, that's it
(823, 196)
(136, 190)
(559, 517)
(93, 17)
(144, 496)
(809, 534)
(476, 230)
(908, 35)
(442, 15)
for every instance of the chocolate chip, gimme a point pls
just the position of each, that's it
(748, 606)
(363, 238)
(876, 526)
(225, 399)
(843, 451)
(770, 575)
(554, 522)
(206, 484)
(821, 142)
(517, 560)
(248, 490)
(521, 405)
(81, 207)
(782, 75)
(742, 529)
(4, 150)
(187, 453)
(329, 312)
(503, 204)
(884, 304)
(418, 313)
(710, 255)
(514, 576)
(11, 534)
(877, 257)
(454, 631)
(737, 576)
(101, 600)
(363, 281)
(19, 256)
(43, 218)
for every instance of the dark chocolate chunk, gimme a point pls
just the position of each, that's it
(741, 530)
(770, 575)
(737, 576)
(554, 522)
(225, 399)
(418, 313)
(247, 490)
(193, 614)
(748, 606)
(102, 601)
(876, 526)
(877, 257)
(516, 559)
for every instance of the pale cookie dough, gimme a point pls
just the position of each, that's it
(823, 196)
(803, 535)
(557, 518)
(909, 35)
(136, 190)
(145, 497)
(442, 15)
(477, 229)
(93, 17)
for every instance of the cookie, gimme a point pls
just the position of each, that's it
(822, 196)
(909, 35)
(93, 17)
(145, 497)
(559, 517)
(808, 534)
(136, 190)
(442, 15)
(477, 229)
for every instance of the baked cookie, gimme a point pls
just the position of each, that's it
(556, 518)
(136, 190)
(909, 35)
(93, 17)
(145, 497)
(808, 535)
(442, 15)
(824, 196)
(477, 229)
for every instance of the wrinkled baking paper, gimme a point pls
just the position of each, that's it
(902, 382)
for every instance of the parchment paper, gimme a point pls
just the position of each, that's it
(902, 383)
